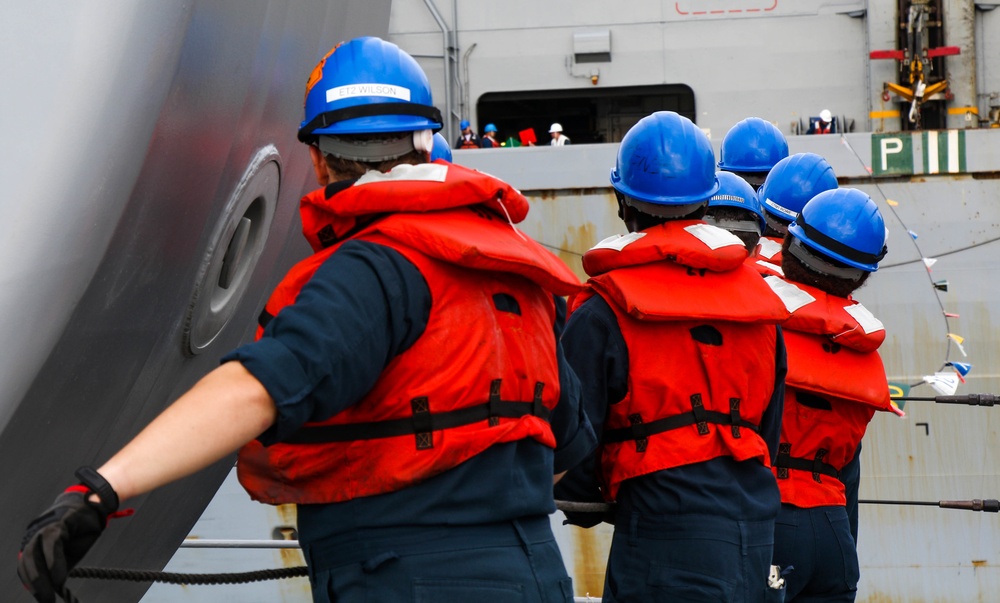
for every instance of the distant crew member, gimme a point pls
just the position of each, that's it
(489, 139)
(558, 138)
(467, 139)
(751, 148)
(685, 385)
(789, 185)
(823, 125)
(407, 389)
(836, 382)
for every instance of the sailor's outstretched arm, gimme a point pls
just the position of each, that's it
(224, 410)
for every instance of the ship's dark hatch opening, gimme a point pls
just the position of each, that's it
(587, 115)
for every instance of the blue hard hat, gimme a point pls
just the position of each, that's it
(441, 149)
(665, 159)
(490, 128)
(845, 225)
(753, 145)
(463, 124)
(791, 183)
(737, 192)
(367, 86)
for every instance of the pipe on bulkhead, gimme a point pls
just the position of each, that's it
(445, 35)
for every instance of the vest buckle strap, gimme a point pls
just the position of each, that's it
(422, 424)
(734, 412)
(818, 464)
(537, 407)
(700, 415)
(640, 432)
(784, 452)
(815, 465)
(493, 404)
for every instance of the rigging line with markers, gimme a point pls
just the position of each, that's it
(913, 241)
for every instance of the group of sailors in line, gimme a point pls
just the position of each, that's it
(419, 383)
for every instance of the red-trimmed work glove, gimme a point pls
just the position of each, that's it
(58, 539)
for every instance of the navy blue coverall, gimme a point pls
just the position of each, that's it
(478, 532)
(694, 533)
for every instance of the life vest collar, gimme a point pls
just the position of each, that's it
(844, 320)
(691, 243)
(329, 214)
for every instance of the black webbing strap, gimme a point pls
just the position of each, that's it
(640, 431)
(734, 416)
(369, 110)
(816, 466)
(422, 423)
(94, 481)
(838, 247)
(700, 414)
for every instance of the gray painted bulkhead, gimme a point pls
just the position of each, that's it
(137, 135)
(780, 60)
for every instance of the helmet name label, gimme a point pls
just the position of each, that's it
(356, 90)
(781, 210)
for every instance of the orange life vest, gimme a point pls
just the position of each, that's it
(474, 378)
(835, 383)
(699, 328)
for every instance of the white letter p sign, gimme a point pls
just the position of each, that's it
(889, 146)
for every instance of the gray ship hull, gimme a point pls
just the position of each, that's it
(143, 141)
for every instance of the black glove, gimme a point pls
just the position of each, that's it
(58, 539)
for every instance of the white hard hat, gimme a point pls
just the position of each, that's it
(825, 115)
(556, 127)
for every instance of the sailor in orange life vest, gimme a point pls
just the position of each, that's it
(467, 139)
(682, 366)
(407, 388)
(789, 185)
(835, 384)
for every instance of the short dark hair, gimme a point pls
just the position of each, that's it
(737, 214)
